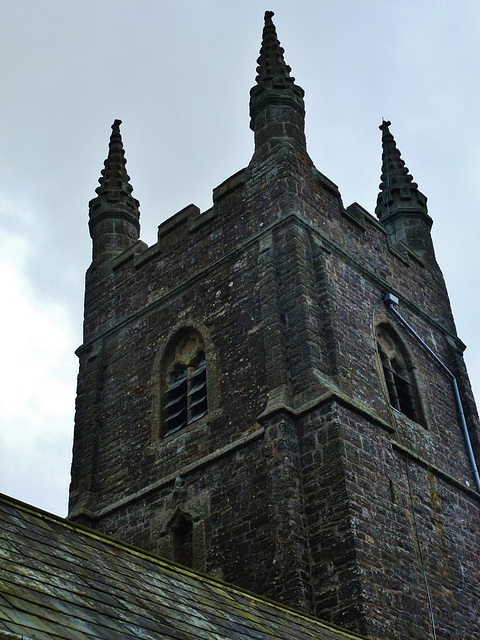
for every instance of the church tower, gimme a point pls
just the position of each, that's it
(274, 392)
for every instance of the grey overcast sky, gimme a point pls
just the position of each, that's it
(178, 75)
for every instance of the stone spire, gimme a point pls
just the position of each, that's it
(114, 213)
(398, 192)
(401, 207)
(271, 64)
(275, 99)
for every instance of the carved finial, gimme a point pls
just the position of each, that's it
(384, 126)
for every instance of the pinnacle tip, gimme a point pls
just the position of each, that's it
(269, 15)
(116, 123)
(385, 123)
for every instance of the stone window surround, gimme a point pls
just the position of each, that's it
(160, 369)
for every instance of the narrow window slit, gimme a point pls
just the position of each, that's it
(182, 530)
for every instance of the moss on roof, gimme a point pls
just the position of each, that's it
(59, 580)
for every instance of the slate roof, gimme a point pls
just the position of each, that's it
(59, 580)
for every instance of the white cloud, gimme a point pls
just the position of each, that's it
(37, 384)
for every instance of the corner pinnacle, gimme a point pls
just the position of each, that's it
(398, 191)
(114, 176)
(275, 94)
(271, 63)
(114, 213)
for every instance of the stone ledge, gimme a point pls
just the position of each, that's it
(414, 256)
(399, 252)
(436, 471)
(190, 468)
(330, 396)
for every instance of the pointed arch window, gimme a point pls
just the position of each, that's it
(185, 384)
(398, 375)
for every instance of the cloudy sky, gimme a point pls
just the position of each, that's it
(178, 75)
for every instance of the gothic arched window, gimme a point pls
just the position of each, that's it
(398, 374)
(185, 382)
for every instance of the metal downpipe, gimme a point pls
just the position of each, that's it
(391, 300)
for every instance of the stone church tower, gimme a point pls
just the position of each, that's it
(252, 403)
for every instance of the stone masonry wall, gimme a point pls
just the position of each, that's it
(296, 479)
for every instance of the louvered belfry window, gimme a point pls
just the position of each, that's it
(402, 390)
(185, 389)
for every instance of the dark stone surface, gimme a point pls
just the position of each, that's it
(302, 483)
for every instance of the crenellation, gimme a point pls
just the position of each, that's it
(232, 183)
(176, 228)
